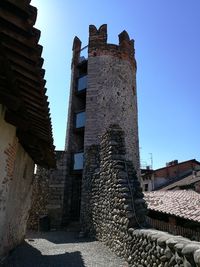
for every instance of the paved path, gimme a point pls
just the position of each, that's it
(62, 249)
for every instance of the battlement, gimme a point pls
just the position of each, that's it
(98, 45)
(98, 36)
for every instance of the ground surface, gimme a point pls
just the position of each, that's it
(62, 249)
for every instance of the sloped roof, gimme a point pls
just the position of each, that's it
(22, 84)
(190, 179)
(181, 203)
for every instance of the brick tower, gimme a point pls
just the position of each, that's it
(103, 92)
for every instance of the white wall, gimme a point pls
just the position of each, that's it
(150, 184)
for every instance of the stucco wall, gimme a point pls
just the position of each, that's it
(111, 99)
(16, 175)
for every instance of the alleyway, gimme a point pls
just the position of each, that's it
(62, 249)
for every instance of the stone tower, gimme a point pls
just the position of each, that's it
(103, 92)
(103, 99)
(111, 90)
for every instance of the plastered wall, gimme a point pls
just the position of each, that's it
(16, 175)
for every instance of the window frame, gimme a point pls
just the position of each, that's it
(75, 119)
(73, 161)
(77, 83)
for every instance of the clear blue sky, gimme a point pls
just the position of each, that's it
(167, 42)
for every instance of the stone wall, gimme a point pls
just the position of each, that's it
(56, 190)
(16, 177)
(48, 194)
(113, 210)
(40, 198)
(90, 179)
(148, 247)
(112, 95)
(111, 194)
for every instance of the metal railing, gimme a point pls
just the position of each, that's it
(83, 54)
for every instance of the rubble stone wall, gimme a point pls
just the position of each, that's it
(40, 198)
(112, 199)
(148, 247)
(113, 210)
(48, 194)
(90, 172)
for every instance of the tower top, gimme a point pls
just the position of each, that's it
(98, 45)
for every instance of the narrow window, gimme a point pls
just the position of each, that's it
(146, 187)
(80, 120)
(82, 83)
(78, 161)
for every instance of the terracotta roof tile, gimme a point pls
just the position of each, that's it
(181, 203)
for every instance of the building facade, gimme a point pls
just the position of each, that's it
(174, 172)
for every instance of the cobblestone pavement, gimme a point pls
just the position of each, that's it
(62, 249)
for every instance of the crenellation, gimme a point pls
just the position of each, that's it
(98, 45)
(97, 36)
(76, 45)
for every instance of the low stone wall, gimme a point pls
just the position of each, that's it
(40, 198)
(113, 207)
(48, 194)
(112, 199)
(148, 247)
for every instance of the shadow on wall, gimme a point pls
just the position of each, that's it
(31, 257)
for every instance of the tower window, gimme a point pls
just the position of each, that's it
(78, 161)
(80, 119)
(82, 83)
